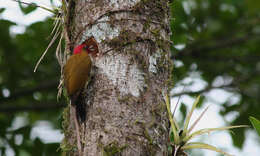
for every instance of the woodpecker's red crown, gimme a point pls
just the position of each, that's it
(78, 49)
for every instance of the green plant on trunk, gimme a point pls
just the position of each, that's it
(181, 138)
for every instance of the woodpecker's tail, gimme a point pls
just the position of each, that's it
(77, 101)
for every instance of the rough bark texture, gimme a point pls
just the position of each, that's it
(126, 113)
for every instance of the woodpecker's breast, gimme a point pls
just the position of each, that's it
(76, 72)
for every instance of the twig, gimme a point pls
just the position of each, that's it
(195, 51)
(25, 92)
(204, 90)
(47, 9)
(44, 53)
(96, 21)
(40, 107)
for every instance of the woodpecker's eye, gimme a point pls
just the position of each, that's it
(91, 46)
(85, 47)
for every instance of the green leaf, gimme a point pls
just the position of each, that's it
(201, 101)
(171, 137)
(187, 120)
(253, 6)
(27, 9)
(208, 130)
(174, 125)
(2, 10)
(25, 131)
(183, 109)
(196, 145)
(255, 123)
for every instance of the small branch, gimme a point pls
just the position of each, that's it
(18, 1)
(207, 89)
(39, 107)
(33, 4)
(46, 50)
(196, 51)
(26, 92)
(90, 24)
(139, 40)
(96, 21)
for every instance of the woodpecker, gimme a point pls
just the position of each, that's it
(76, 73)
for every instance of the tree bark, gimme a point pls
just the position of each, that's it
(126, 112)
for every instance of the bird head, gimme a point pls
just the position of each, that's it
(90, 46)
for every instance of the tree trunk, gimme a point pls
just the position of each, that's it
(126, 113)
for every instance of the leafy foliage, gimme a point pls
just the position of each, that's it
(220, 40)
(23, 90)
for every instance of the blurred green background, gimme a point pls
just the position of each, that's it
(215, 41)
